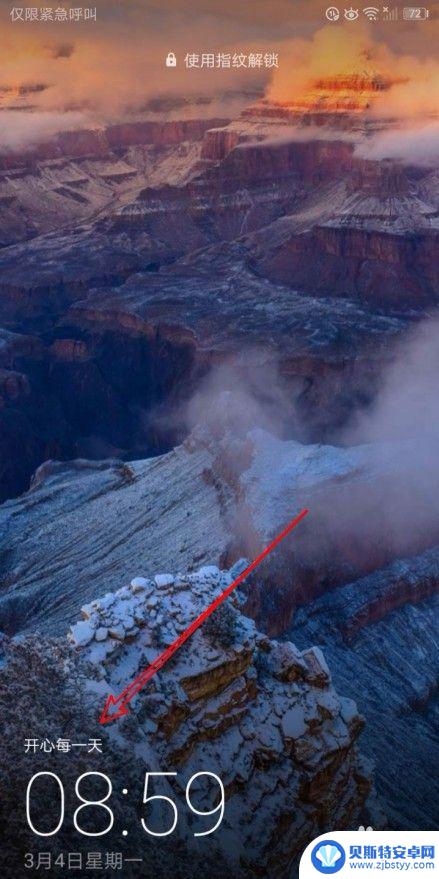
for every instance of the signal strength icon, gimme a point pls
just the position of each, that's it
(390, 14)
(371, 12)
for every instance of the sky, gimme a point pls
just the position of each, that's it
(98, 71)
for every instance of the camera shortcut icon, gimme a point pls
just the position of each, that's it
(171, 60)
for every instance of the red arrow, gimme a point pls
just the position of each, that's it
(117, 707)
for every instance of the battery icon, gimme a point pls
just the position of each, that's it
(415, 13)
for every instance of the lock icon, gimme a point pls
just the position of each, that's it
(171, 60)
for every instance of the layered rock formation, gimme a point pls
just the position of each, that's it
(164, 331)
(169, 250)
(380, 637)
(260, 714)
(79, 174)
(350, 101)
(169, 243)
(226, 486)
(219, 496)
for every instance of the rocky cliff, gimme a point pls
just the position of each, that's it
(165, 330)
(251, 278)
(79, 174)
(167, 245)
(379, 635)
(349, 101)
(259, 713)
(339, 582)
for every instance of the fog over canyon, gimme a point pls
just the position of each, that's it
(210, 318)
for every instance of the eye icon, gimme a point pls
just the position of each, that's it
(351, 14)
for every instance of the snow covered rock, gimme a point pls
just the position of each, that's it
(101, 634)
(87, 611)
(117, 632)
(317, 669)
(261, 713)
(140, 584)
(164, 580)
(293, 723)
(286, 662)
(82, 633)
(208, 571)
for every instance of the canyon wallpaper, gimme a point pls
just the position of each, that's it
(219, 300)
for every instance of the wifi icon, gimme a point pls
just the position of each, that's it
(371, 12)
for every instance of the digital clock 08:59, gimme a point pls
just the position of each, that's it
(102, 806)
